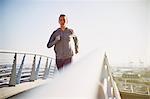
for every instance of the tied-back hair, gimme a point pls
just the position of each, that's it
(62, 15)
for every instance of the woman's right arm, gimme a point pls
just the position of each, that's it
(53, 40)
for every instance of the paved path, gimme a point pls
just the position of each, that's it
(6, 92)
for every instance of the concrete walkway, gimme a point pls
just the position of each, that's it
(6, 92)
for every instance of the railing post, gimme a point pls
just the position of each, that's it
(20, 70)
(109, 82)
(37, 69)
(12, 81)
(32, 77)
(49, 67)
(148, 92)
(46, 69)
(55, 68)
(131, 88)
(112, 92)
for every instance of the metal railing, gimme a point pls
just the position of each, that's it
(20, 72)
(109, 86)
(17, 67)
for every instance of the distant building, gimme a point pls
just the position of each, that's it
(131, 75)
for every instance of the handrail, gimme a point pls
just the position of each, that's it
(13, 52)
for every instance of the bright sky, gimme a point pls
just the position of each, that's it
(118, 27)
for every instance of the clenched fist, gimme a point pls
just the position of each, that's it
(57, 38)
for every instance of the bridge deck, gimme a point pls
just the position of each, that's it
(78, 81)
(10, 91)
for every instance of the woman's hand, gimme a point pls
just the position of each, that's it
(57, 38)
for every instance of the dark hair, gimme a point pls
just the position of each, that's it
(62, 15)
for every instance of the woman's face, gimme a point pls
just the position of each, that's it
(62, 21)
